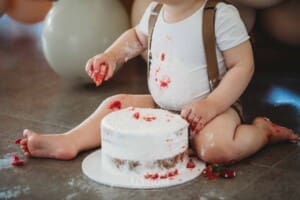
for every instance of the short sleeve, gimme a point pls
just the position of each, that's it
(143, 24)
(230, 29)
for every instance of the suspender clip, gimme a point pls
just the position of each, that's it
(213, 83)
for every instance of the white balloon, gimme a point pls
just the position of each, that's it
(76, 30)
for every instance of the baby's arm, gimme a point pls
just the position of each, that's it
(239, 61)
(130, 44)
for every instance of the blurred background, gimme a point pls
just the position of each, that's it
(64, 27)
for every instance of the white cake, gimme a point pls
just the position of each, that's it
(148, 142)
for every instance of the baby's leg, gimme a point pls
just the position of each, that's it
(83, 137)
(225, 140)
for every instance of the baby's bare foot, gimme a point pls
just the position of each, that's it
(58, 146)
(276, 133)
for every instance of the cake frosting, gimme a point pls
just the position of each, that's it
(149, 142)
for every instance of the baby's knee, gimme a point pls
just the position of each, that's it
(115, 98)
(216, 154)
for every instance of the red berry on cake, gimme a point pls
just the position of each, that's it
(164, 176)
(136, 115)
(190, 164)
(155, 176)
(149, 118)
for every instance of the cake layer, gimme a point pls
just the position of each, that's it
(143, 134)
(145, 167)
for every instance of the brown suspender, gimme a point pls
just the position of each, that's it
(152, 21)
(209, 39)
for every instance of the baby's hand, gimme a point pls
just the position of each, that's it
(100, 68)
(199, 113)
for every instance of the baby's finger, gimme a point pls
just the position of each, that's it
(191, 116)
(203, 121)
(89, 67)
(195, 121)
(103, 72)
(199, 127)
(97, 62)
(99, 75)
(185, 112)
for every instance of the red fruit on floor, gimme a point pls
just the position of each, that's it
(207, 171)
(15, 157)
(17, 163)
(213, 176)
(229, 173)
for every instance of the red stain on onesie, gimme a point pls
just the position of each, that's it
(164, 82)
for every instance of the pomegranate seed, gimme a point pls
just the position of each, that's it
(190, 164)
(18, 141)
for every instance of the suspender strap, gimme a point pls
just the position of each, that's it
(152, 21)
(209, 41)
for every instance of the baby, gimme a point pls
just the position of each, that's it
(177, 81)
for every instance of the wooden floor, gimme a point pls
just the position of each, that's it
(33, 96)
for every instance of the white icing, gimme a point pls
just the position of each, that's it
(130, 138)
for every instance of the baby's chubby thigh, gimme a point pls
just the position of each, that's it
(215, 142)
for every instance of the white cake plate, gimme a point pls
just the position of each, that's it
(92, 167)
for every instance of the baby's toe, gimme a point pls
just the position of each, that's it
(23, 141)
(27, 132)
(26, 153)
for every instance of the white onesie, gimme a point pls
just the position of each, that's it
(178, 73)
